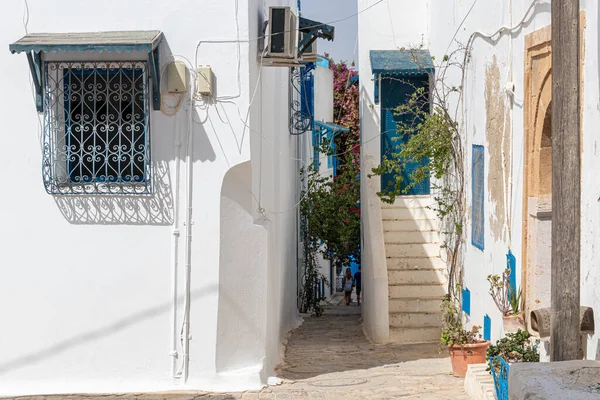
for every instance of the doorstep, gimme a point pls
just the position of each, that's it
(479, 383)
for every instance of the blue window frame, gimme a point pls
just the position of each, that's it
(96, 128)
(376, 90)
(466, 301)
(478, 198)
(487, 327)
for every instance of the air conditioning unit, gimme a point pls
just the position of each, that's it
(310, 55)
(282, 34)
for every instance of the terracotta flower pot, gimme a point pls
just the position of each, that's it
(512, 323)
(463, 355)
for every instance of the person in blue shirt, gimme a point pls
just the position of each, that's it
(358, 284)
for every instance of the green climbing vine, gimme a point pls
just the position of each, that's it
(432, 144)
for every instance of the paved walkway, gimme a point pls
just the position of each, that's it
(329, 358)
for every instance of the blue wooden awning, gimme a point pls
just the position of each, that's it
(128, 41)
(330, 126)
(34, 44)
(352, 81)
(401, 62)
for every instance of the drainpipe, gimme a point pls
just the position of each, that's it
(188, 241)
(175, 246)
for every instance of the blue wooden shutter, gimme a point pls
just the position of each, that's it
(487, 327)
(511, 262)
(316, 143)
(466, 301)
(478, 198)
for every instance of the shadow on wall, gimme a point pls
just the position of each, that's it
(122, 324)
(242, 323)
(157, 208)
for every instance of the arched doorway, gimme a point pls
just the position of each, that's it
(537, 194)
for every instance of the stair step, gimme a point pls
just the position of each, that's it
(415, 335)
(412, 291)
(419, 305)
(418, 201)
(394, 263)
(478, 383)
(415, 320)
(407, 213)
(411, 236)
(412, 250)
(424, 276)
(410, 225)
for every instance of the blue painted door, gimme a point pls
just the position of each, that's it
(396, 91)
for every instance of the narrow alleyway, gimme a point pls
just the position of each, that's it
(329, 358)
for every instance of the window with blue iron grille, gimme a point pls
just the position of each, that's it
(478, 198)
(96, 128)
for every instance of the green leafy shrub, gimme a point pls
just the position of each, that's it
(514, 347)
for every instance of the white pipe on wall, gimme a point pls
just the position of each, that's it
(188, 238)
(175, 249)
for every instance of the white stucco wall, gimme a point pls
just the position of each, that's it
(487, 19)
(448, 22)
(88, 293)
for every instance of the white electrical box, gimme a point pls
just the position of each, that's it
(177, 78)
(205, 81)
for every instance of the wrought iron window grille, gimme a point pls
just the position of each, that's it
(96, 128)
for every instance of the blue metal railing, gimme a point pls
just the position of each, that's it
(500, 369)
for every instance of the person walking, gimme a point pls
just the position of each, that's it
(358, 284)
(347, 284)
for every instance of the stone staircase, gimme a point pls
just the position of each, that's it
(479, 384)
(417, 275)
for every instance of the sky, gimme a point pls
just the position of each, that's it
(325, 11)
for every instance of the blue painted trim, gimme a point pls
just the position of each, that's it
(478, 236)
(376, 90)
(35, 67)
(154, 63)
(487, 327)
(466, 301)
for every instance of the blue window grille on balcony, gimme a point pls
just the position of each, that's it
(500, 369)
(307, 94)
(96, 128)
(478, 198)
(487, 327)
(466, 301)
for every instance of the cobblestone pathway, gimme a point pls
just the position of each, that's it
(329, 358)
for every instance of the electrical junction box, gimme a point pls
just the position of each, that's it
(205, 81)
(177, 77)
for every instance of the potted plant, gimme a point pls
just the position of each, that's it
(465, 346)
(514, 347)
(508, 302)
